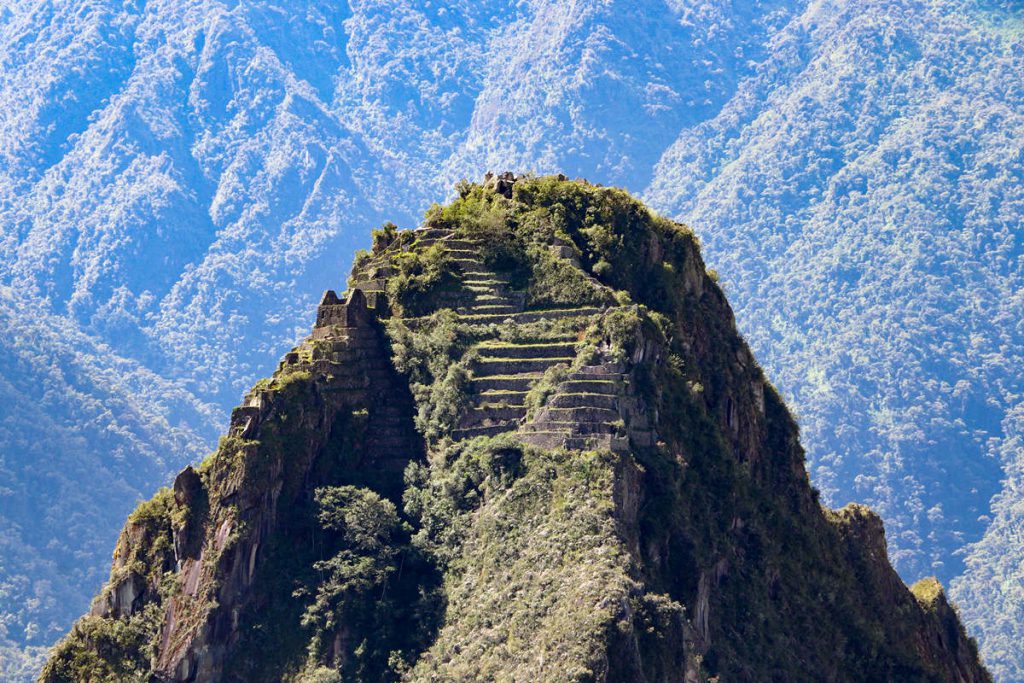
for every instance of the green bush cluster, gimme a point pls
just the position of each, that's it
(536, 574)
(102, 650)
(424, 354)
(556, 282)
(433, 357)
(345, 600)
(542, 390)
(418, 276)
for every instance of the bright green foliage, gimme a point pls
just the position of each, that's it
(367, 522)
(928, 591)
(419, 276)
(428, 358)
(536, 572)
(441, 405)
(542, 390)
(320, 674)
(102, 650)
(346, 596)
(554, 281)
(425, 355)
(384, 236)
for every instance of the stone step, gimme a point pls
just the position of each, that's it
(531, 316)
(579, 415)
(547, 440)
(491, 309)
(487, 291)
(545, 350)
(458, 243)
(495, 280)
(591, 386)
(490, 298)
(488, 303)
(553, 337)
(491, 414)
(488, 430)
(571, 428)
(582, 400)
(610, 370)
(434, 233)
(514, 398)
(483, 288)
(514, 366)
(476, 270)
(582, 314)
(425, 243)
(521, 382)
(471, 253)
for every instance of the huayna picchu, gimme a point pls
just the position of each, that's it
(528, 444)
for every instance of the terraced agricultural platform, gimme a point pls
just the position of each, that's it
(589, 406)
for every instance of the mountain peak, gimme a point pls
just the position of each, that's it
(528, 443)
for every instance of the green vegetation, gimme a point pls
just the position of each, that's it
(535, 571)
(702, 552)
(100, 650)
(424, 355)
(432, 358)
(384, 237)
(370, 534)
(419, 276)
(928, 592)
(539, 393)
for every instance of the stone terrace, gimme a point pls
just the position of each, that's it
(593, 408)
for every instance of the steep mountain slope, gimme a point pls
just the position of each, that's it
(177, 177)
(903, 232)
(875, 172)
(599, 485)
(163, 194)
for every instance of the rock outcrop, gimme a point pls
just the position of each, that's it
(596, 481)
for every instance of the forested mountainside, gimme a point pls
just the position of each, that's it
(528, 443)
(176, 179)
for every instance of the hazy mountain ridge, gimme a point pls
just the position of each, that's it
(896, 241)
(177, 177)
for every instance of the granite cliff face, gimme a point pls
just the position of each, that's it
(527, 444)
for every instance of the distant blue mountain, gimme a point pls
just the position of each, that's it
(180, 179)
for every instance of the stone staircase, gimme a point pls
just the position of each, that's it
(486, 292)
(492, 294)
(503, 374)
(592, 409)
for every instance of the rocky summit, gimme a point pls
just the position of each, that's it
(527, 444)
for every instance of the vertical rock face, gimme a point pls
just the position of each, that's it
(527, 444)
